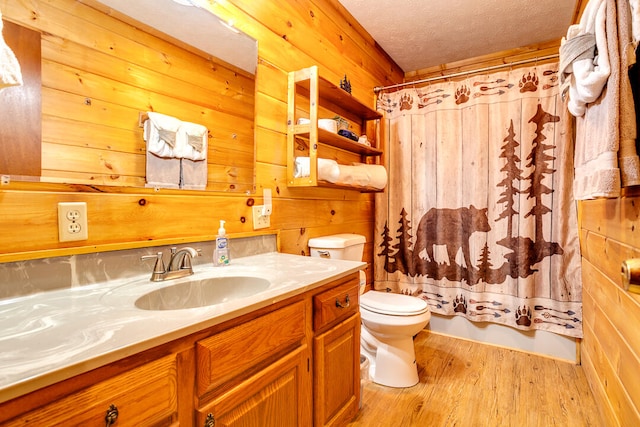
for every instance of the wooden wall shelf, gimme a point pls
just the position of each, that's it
(320, 92)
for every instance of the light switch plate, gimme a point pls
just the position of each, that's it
(260, 220)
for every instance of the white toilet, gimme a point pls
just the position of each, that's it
(389, 321)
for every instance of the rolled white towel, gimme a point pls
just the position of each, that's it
(301, 167)
(364, 175)
(353, 175)
(377, 176)
(328, 169)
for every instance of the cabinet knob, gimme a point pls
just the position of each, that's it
(343, 305)
(112, 415)
(209, 421)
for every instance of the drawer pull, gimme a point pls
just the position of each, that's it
(209, 421)
(341, 305)
(112, 415)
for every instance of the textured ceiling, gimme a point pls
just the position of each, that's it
(419, 34)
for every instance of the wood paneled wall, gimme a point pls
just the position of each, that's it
(291, 35)
(610, 234)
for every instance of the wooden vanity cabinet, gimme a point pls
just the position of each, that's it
(146, 395)
(336, 351)
(294, 363)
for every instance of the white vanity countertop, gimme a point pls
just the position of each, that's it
(51, 336)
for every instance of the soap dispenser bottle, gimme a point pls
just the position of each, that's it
(221, 251)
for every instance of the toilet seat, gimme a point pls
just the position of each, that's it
(393, 304)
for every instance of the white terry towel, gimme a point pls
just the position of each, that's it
(161, 132)
(605, 155)
(162, 172)
(163, 169)
(363, 175)
(194, 174)
(377, 175)
(191, 141)
(192, 148)
(586, 76)
(629, 162)
(10, 73)
(327, 169)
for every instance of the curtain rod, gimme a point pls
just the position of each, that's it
(464, 73)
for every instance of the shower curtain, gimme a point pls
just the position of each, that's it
(478, 218)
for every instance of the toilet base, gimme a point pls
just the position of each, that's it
(393, 361)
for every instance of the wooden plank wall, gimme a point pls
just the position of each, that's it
(610, 234)
(291, 35)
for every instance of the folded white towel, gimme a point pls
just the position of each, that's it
(10, 73)
(191, 142)
(160, 132)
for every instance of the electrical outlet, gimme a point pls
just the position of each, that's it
(259, 220)
(72, 221)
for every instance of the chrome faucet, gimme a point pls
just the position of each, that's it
(179, 264)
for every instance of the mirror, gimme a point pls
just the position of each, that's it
(109, 62)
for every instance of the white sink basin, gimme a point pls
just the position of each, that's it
(202, 293)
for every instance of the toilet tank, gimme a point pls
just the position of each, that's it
(338, 246)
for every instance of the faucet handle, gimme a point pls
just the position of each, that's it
(186, 260)
(158, 269)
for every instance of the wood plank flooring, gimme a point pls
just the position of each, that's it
(464, 383)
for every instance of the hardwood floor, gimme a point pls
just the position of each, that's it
(463, 383)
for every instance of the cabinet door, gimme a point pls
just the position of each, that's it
(337, 373)
(278, 396)
(144, 396)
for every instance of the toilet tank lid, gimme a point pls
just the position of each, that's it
(336, 241)
(394, 304)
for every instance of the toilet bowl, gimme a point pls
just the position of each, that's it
(389, 321)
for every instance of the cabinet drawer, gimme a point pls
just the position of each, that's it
(146, 395)
(236, 351)
(335, 304)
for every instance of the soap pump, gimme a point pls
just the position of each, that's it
(221, 251)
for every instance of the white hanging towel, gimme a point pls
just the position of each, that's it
(10, 73)
(585, 74)
(191, 141)
(192, 147)
(163, 169)
(161, 133)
